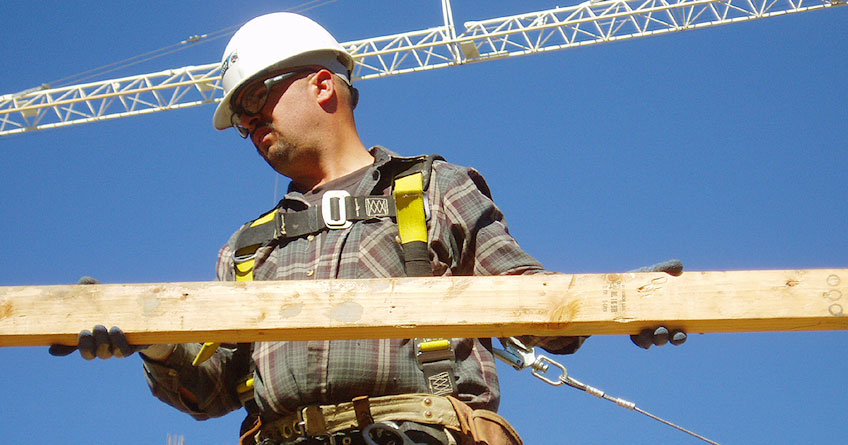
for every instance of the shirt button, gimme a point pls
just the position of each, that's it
(310, 238)
(310, 272)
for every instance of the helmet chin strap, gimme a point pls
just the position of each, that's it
(354, 97)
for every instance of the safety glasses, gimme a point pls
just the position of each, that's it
(253, 99)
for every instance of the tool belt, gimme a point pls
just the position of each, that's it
(474, 427)
(326, 420)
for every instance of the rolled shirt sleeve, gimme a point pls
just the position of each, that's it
(204, 391)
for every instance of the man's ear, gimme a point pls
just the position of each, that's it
(324, 87)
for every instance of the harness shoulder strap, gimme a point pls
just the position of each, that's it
(248, 241)
(412, 224)
(410, 182)
(435, 356)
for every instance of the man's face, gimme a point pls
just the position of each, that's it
(252, 97)
(273, 114)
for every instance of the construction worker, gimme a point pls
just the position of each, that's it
(288, 88)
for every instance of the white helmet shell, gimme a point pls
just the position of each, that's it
(272, 43)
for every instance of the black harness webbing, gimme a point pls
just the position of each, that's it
(312, 220)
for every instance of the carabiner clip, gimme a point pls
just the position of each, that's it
(515, 353)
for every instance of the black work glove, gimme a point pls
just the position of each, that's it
(98, 342)
(660, 336)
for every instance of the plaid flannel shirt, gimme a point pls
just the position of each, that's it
(468, 236)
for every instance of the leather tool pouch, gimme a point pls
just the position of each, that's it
(484, 427)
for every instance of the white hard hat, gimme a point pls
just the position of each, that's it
(271, 43)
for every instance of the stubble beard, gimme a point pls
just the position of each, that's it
(284, 153)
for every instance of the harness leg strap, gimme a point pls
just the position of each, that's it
(436, 360)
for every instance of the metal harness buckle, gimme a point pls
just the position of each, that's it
(433, 350)
(334, 209)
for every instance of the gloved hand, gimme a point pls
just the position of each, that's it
(660, 336)
(671, 267)
(99, 342)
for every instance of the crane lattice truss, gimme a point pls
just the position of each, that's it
(584, 24)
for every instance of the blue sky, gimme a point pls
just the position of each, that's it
(725, 147)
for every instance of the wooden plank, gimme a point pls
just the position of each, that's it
(586, 304)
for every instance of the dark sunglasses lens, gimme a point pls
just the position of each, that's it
(253, 100)
(235, 120)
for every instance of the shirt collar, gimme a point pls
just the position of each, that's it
(382, 156)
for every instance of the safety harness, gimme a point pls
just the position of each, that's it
(435, 356)
(339, 210)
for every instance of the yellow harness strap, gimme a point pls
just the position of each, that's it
(244, 269)
(206, 352)
(409, 200)
(412, 224)
(244, 272)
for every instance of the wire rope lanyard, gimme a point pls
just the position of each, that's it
(521, 357)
